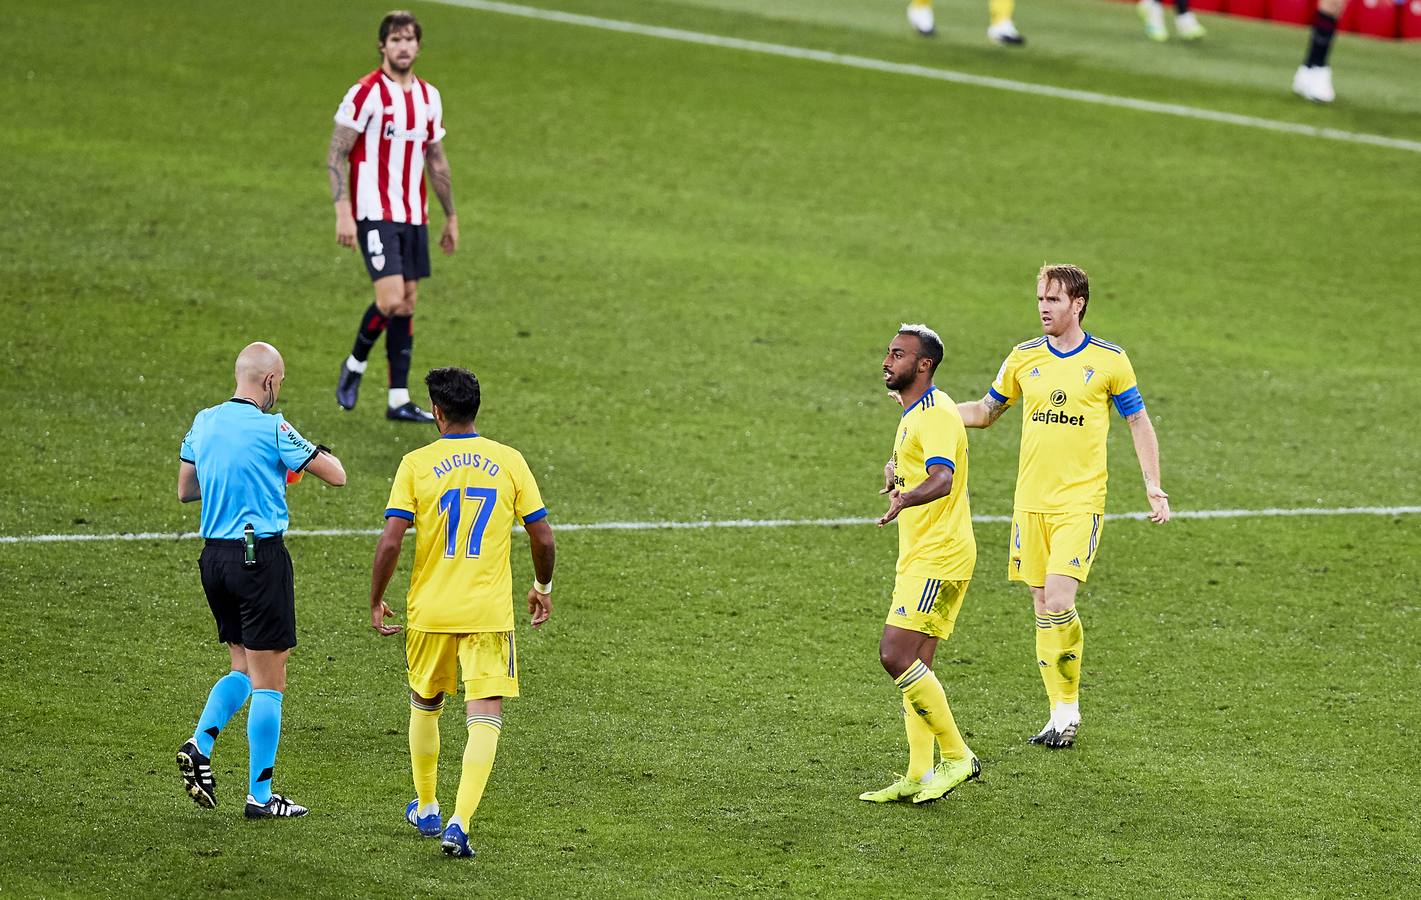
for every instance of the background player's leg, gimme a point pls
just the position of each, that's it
(1313, 80)
(399, 345)
(1050, 677)
(920, 16)
(1002, 30)
(1186, 24)
(372, 325)
(389, 295)
(1152, 14)
(1063, 642)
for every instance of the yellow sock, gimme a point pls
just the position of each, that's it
(1001, 10)
(1046, 655)
(921, 3)
(424, 750)
(1069, 645)
(478, 763)
(925, 697)
(920, 743)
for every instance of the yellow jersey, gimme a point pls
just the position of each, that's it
(1066, 399)
(464, 494)
(935, 539)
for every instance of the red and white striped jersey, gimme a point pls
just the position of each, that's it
(387, 161)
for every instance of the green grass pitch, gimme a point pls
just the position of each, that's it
(680, 268)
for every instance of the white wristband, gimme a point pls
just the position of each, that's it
(542, 588)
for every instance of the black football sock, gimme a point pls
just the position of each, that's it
(371, 324)
(399, 342)
(1181, 6)
(1323, 29)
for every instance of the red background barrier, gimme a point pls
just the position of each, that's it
(1379, 18)
(1299, 12)
(1374, 18)
(1254, 9)
(1411, 20)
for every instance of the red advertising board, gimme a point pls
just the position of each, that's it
(1378, 18)
(1299, 12)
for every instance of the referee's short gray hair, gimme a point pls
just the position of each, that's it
(932, 344)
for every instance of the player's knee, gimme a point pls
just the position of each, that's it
(427, 702)
(895, 660)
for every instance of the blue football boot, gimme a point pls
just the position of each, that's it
(455, 842)
(430, 825)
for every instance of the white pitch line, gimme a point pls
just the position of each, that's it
(734, 523)
(883, 65)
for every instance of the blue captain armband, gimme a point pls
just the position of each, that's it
(939, 461)
(997, 396)
(1129, 402)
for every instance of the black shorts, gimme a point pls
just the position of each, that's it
(394, 248)
(254, 606)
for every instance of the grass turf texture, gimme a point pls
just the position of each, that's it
(680, 268)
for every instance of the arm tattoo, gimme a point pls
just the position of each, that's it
(338, 160)
(994, 408)
(439, 176)
(1134, 417)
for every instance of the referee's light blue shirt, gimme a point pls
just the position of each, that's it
(242, 455)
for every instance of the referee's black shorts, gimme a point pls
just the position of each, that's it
(254, 606)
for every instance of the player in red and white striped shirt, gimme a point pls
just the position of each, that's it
(388, 130)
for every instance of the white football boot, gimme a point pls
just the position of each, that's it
(1152, 14)
(1314, 83)
(1188, 28)
(1005, 33)
(921, 18)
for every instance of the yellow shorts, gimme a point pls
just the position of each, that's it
(488, 660)
(1052, 544)
(926, 605)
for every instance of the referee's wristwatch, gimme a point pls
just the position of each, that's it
(542, 588)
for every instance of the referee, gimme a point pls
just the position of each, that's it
(237, 459)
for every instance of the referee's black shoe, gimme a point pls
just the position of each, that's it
(348, 388)
(196, 770)
(408, 413)
(278, 807)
